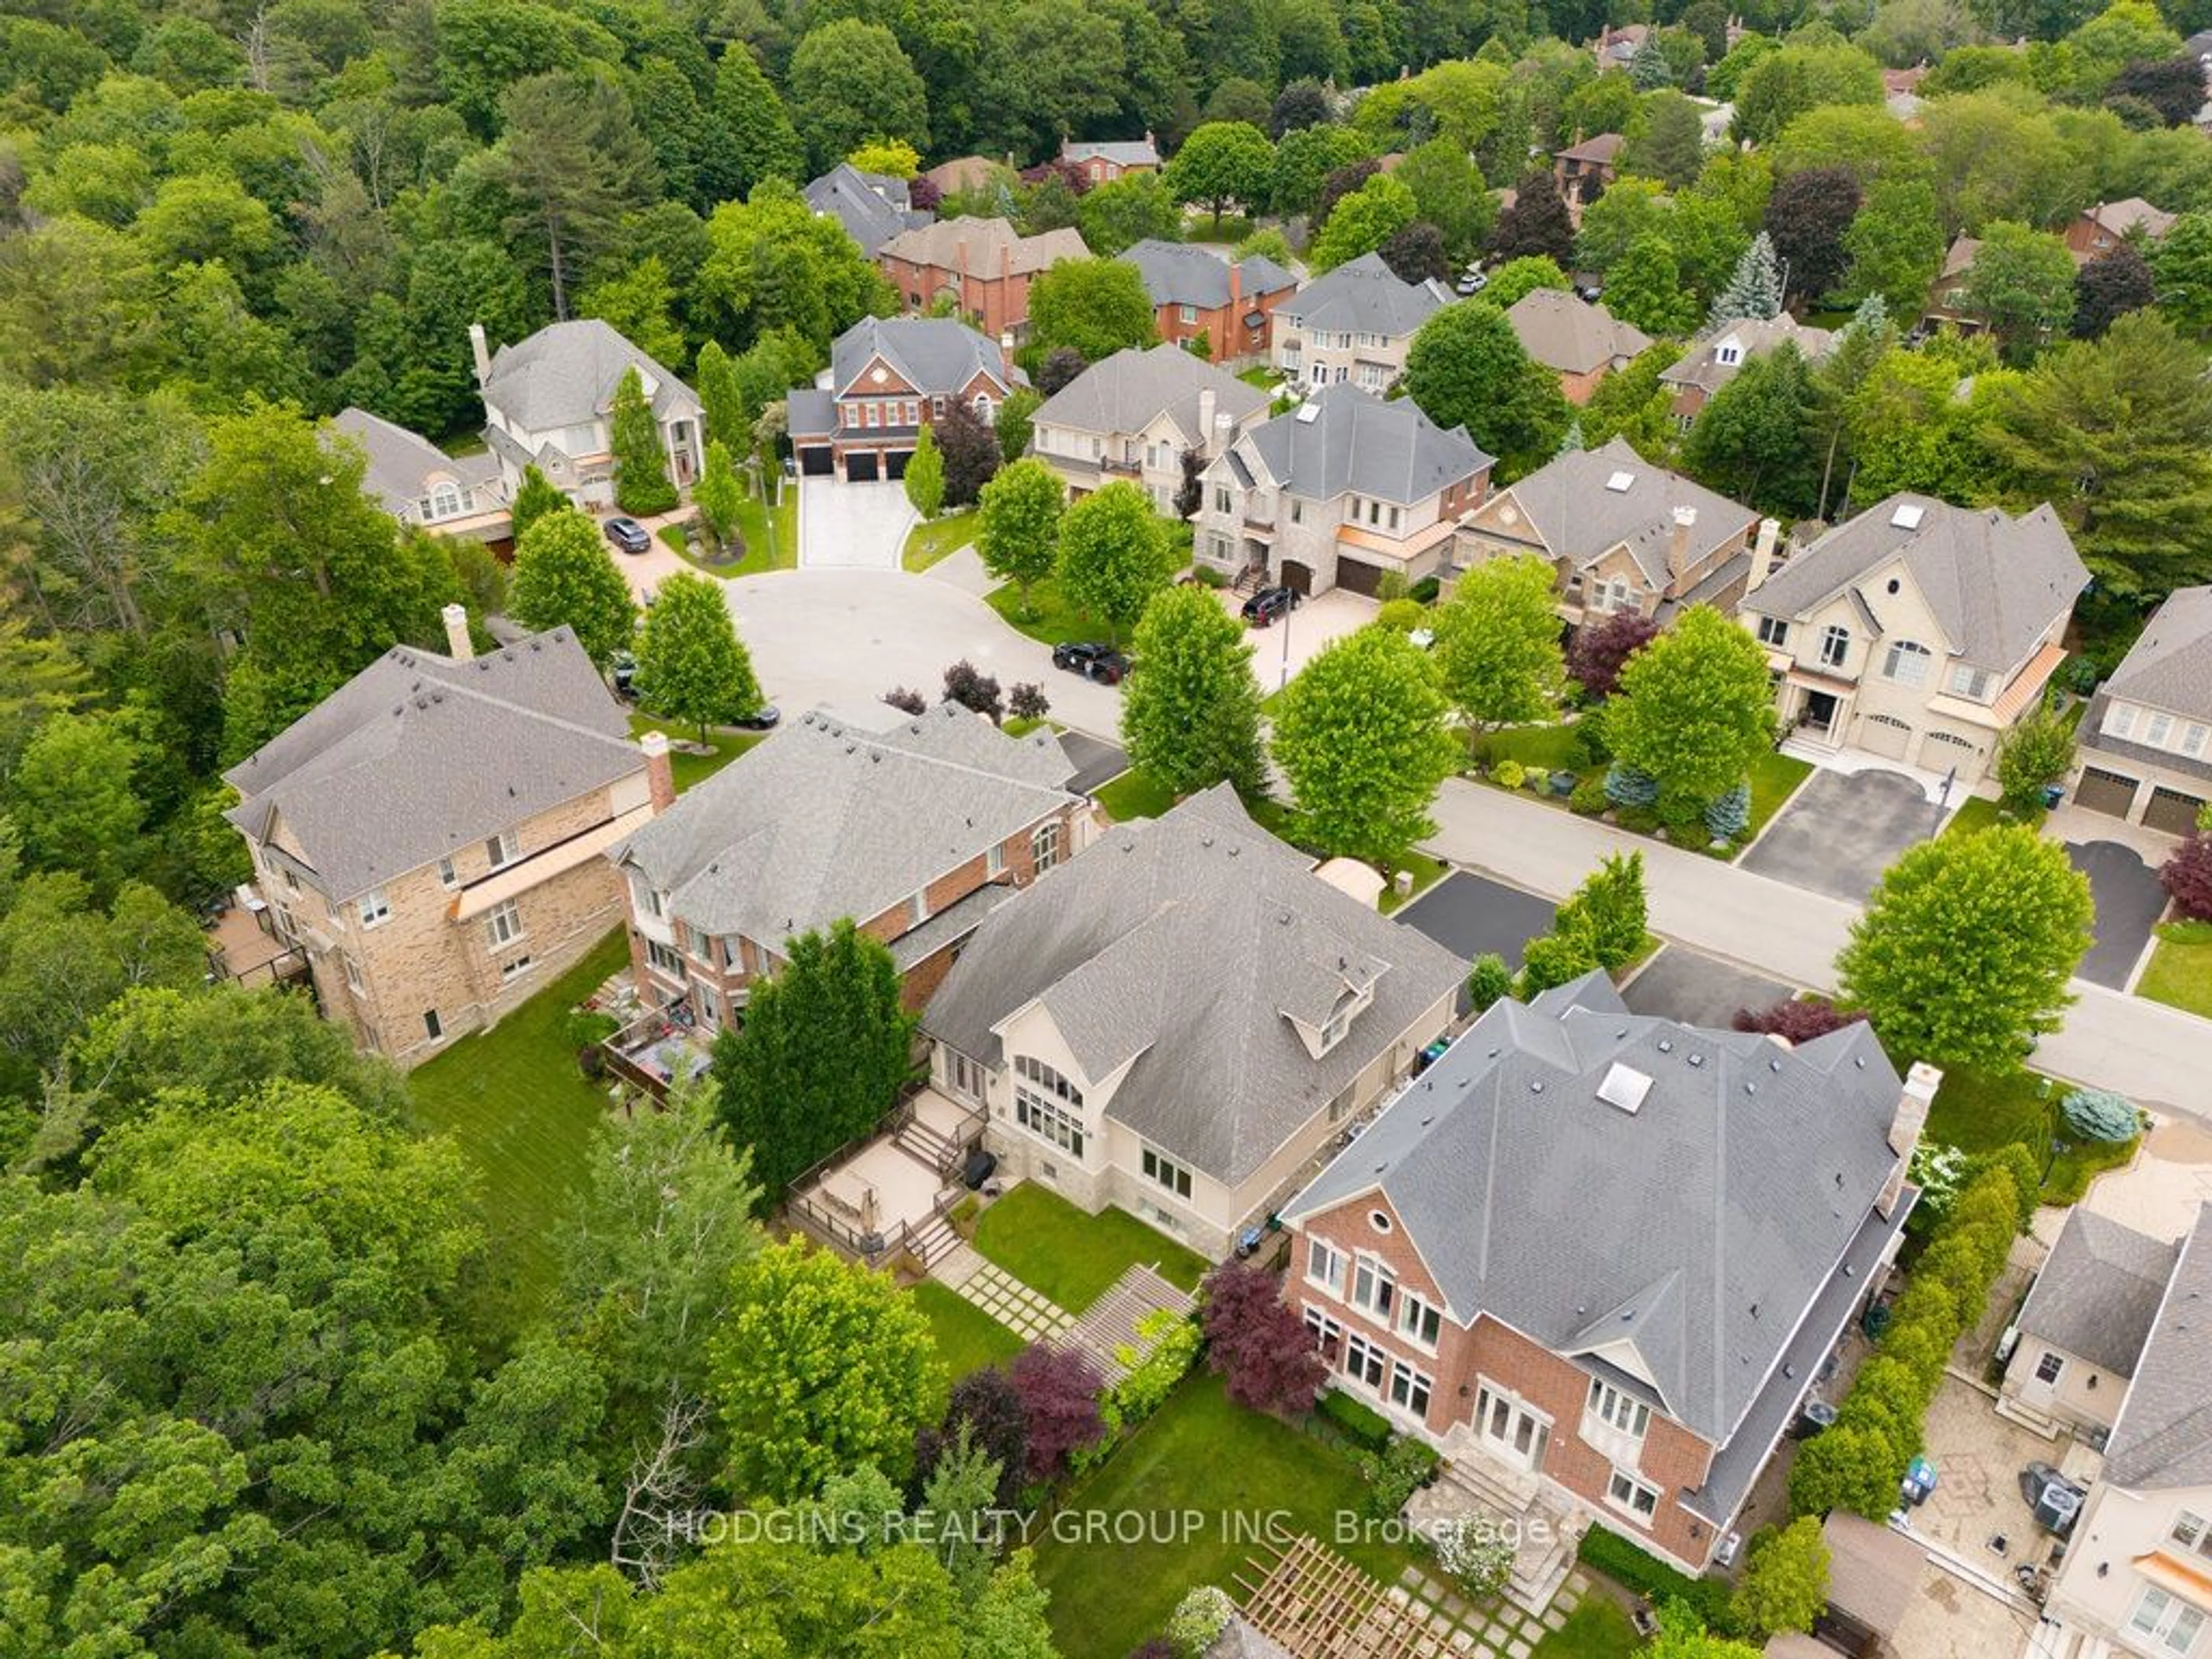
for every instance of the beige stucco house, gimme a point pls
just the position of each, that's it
(1918, 631)
(1178, 1022)
(2082, 1328)
(1353, 326)
(1135, 414)
(2146, 753)
(549, 401)
(430, 835)
(418, 483)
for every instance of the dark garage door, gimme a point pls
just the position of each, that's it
(2104, 792)
(818, 460)
(2173, 811)
(894, 463)
(1297, 577)
(860, 466)
(1354, 576)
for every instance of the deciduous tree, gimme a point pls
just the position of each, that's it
(924, 476)
(691, 666)
(1537, 223)
(719, 496)
(849, 82)
(75, 799)
(970, 451)
(1190, 713)
(1360, 736)
(1097, 307)
(536, 497)
(564, 577)
(1016, 419)
(1361, 222)
(1223, 162)
(2021, 284)
(1808, 217)
(1693, 711)
(1257, 1342)
(1497, 644)
(1758, 439)
(2038, 750)
(1059, 1388)
(2186, 875)
(1018, 527)
(2110, 286)
(1785, 1580)
(1467, 367)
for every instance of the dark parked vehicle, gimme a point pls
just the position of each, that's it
(629, 535)
(1269, 603)
(625, 675)
(763, 719)
(1093, 661)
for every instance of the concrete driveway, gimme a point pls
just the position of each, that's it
(853, 526)
(2128, 900)
(1841, 830)
(1470, 915)
(1680, 984)
(1288, 644)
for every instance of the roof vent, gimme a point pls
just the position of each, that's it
(1620, 483)
(1535, 1085)
(1666, 1045)
(1625, 1087)
(1308, 413)
(1697, 1060)
(1908, 515)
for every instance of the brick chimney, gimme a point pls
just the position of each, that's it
(1678, 543)
(457, 646)
(1006, 354)
(1762, 555)
(482, 352)
(659, 775)
(1905, 1125)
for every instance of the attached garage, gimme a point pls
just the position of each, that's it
(1298, 578)
(2110, 793)
(1884, 735)
(818, 460)
(894, 463)
(2171, 812)
(1357, 576)
(860, 466)
(1943, 751)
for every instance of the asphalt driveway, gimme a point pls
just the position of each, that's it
(1095, 760)
(1841, 830)
(853, 526)
(1680, 984)
(2128, 900)
(1469, 914)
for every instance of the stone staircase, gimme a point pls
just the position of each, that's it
(1250, 580)
(1474, 1485)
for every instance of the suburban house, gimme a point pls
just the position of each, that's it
(430, 834)
(1578, 340)
(2101, 228)
(1584, 171)
(1918, 631)
(873, 207)
(1136, 414)
(418, 483)
(964, 172)
(2082, 1329)
(1102, 160)
(913, 826)
(549, 401)
(983, 266)
(1196, 294)
(1622, 534)
(1596, 1259)
(1182, 1019)
(888, 378)
(1353, 326)
(2137, 1575)
(1341, 491)
(1616, 48)
(2146, 752)
(1713, 360)
(1947, 295)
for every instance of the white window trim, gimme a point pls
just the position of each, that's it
(496, 924)
(1626, 1506)
(1167, 1175)
(374, 907)
(1335, 1273)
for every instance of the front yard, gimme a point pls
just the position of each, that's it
(688, 769)
(1058, 1251)
(1049, 619)
(2179, 974)
(1979, 1113)
(926, 543)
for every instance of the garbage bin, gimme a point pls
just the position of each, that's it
(2052, 794)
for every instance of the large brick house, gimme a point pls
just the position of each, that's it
(1180, 1019)
(430, 834)
(888, 378)
(1578, 340)
(1597, 1259)
(1197, 294)
(549, 401)
(914, 827)
(1136, 414)
(2146, 750)
(1104, 161)
(985, 267)
(2099, 229)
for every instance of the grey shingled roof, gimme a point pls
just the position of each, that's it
(1122, 152)
(1566, 503)
(1705, 1224)
(1127, 391)
(983, 246)
(873, 207)
(2164, 1434)
(827, 820)
(936, 356)
(2099, 1291)
(1701, 366)
(1571, 336)
(2170, 665)
(1995, 583)
(418, 754)
(400, 462)
(1365, 296)
(1179, 947)
(566, 374)
(1357, 442)
(1183, 274)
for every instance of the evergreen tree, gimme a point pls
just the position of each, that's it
(720, 495)
(1754, 291)
(641, 484)
(724, 404)
(533, 499)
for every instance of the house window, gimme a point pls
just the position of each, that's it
(431, 1027)
(983, 406)
(1729, 355)
(2048, 1369)
(2120, 720)
(1188, 314)
(2172, 1623)
(1410, 1388)
(1774, 631)
(708, 1006)
(1419, 1320)
(355, 983)
(1046, 1081)
(1325, 1266)
(514, 968)
(447, 875)
(1835, 645)
(1221, 498)
(503, 924)
(1365, 1363)
(646, 896)
(937, 408)
(913, 412)
(1632, 1496)
(1044, 846)
(2160, 729)
(291, 881)
(1162, 1173)
(994, 860)
(1047, 1122)
(2192, 1532)
(1328, 1334)
(1971, 683)
(1907, 663)
(1374, 379)
(2193, 738)
(374, 907)
(1621, 1413)
(445, 501)
(501, 848)
(665, 959)
(1393, 518)
(1374, 1286)
(1291, 362)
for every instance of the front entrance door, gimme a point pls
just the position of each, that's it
(1819, 714)
(1510, 1430)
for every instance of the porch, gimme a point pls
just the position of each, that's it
(890, 1194)
(1480, 1485)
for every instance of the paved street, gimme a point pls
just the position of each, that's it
(852, 526)
(2152, 1053)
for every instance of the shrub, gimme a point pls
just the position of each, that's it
(2187, 876)
(1508, 775)
(1425, 591)
(1393, 1474)
(1848, 1466)
(1599, 654)
(1400, 616)
(1488, 980)
(1785, 1580)
(2017, 1164)
(1799, 1020)
(1589, 798)
(1636, 1569)
(1626, 787)
(1027, 702)
(2038, 750)
(912, 702)
(1731, 815)
(1258, 1342)
(1059, 1388)
(1560, 957)
(986, 1404)
(1938, 1171)
(1199, 1619)
(1473, 1553)
(1361, 1426)
(1169, 1345)
(968, 686)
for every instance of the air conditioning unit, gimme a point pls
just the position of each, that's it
(2006, 1343)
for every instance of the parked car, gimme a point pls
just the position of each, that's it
(1269, 603)
(1472, 280)
(763, 719)
(628, 534)
(1093, 661)
(624, 670)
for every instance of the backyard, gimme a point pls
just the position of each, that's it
(926, 543)
(2180, 970)
(1978, 1113)
(1060, 1252)
(968, 1339)
(728, 744)
(1596, 1628)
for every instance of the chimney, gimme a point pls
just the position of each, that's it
(660, 776)
(482, 352)
(1762, 555)
(1678, 544)
(1206, 420)
(456, 617)
(1911, 1117)
(1007, 353)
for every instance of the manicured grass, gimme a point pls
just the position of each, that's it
(1134, 794)
(1050, 619)
(1978, 812)
(1426, 872)
(1541, 748)
(1981, 1112)
(968, 1339)
(521, 1111)
(1053, 1248)
(926, 543)
(2180, 970)
(1201, 1453)
(771, 535)
(689, 769)
(1598, 1629)
(1774, 778)
(1263, 379)
(675, 538)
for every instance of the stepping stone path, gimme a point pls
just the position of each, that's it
(1028, 1315)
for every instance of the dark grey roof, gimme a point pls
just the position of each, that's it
(1707, 1222)
(1343, 439)
(2170, 665)
(827, 820)
(810, 413)
(1127, 391)
(1184, 274)
(2099, 1291)
(566, 374)
(873, 207)
(1701, 367)
(1995, 583)
(2164, 1434)
(1365, 296)
(1183, 947)
(937, 355)
(401, 462)
(1570, 504)
(418, 754)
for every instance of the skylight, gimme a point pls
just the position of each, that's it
(1908, 515)
(1308, 413)
(1619, 482)
(1625, 1087)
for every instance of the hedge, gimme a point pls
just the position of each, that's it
(1367, 1429)
(1645, 1575)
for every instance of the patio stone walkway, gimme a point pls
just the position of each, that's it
(1022, 1310)
(1316, 1605)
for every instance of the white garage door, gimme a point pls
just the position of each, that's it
(1884, 735)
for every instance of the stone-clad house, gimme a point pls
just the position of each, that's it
(913, 826)
(1135, 414)
(1196, 294)
(1180, 1019)
(549, 400)
(888, 378)
(1918, 631)
(1353, 326)
(2146, 753)
(1597, 1259)
(430, 835)
(2084, 1324)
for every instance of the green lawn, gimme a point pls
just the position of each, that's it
(1978, 812)
(696, 769)
(2180, 970)
(1598, 1629)
(1980, 1113)
(1426, 872)
(1053, 1248)
(1200, 1453)
(522, 1112)
(968, 1339)
(1134, 794)
(1050, 619)
(1774, 778)
(1543, 748)
(926, 543)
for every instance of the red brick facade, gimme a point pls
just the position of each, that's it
(1228, 336)
(881, 414)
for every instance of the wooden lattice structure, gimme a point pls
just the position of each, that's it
(1320, 1606)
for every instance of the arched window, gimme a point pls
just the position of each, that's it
(1907, 663)
(445, 500)
(1044, 846)
(1835, 645)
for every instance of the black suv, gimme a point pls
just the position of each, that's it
(1269, 603)
(629, 535)
(1093, 661)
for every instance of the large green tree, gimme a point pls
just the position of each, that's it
(1221, 163)
(691, 666)
(1361, 738)
(1363, 222)
(1693, 711)
(572, 158)
(1190, 713)
(1113, 555)
(642, 481)
(1467, 367)
(1758, 439)
(1017, 526)
(773, 264)
(2021, 284)
(1497, 644)
(564, 577)
(75, 800)
(849, 82)
(1094, 306)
